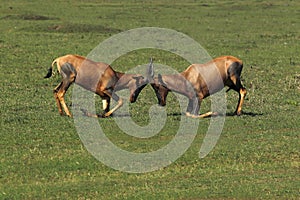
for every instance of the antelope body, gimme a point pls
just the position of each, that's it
(96, 77)
(199, 81)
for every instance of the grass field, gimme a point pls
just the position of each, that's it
(257, 155)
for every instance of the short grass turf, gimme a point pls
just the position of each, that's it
(257, 155)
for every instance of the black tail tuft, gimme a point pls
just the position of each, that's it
(49, 74)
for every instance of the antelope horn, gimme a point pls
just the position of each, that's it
(150, 70)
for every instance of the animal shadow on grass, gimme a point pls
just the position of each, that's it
(174, 114)
(229, 114)
(250, 114)
(102, 115)
(86, 113)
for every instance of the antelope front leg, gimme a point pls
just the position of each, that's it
(189, 108)
(193, 107)
(86, 113)
(120, 103)
(208, 114)
(106, 104)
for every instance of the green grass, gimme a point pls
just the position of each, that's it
(257, 155)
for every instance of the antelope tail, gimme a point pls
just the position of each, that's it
(51, 72)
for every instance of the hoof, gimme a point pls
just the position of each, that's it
(86, 113)
(104, 115)
(238, 113)
(215, 114)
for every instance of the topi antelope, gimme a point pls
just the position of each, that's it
(96, 77)
(199, 81)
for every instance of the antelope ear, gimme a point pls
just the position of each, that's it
(160, 79)
(150, 71)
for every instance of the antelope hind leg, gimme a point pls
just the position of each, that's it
(242, 95)
(56, 89)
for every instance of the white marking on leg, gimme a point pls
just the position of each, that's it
(104, 104)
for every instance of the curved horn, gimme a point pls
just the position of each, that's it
(150, 70)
